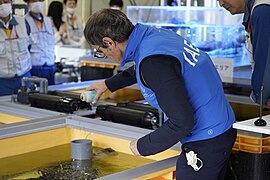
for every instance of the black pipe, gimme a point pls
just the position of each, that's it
(127, 116)
(142, 107)
(66, 94)
(55, 103)
(75, 96)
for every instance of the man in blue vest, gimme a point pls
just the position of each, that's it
(257, 25)
(175, 77)
(15, 59)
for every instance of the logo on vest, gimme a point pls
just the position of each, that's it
(145, 93)
(190, 53)
(210, 132)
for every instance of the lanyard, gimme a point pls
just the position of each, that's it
(72, 24)
(39, 28)
(16, 34)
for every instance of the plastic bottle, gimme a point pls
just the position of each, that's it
(88, 96)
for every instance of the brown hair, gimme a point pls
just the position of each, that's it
(107, 23)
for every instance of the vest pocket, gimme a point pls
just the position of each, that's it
(35, 49)
(50, 38)
(2, 49)
(3, 65)
(24, 62)
(35, 46)
(34, 38)
(22, 45)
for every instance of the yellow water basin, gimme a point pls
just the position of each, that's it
(21, 154)
(8, 119)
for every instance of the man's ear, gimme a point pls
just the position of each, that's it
(108, 42)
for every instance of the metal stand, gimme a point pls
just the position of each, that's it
(260, 121)
(24, 91)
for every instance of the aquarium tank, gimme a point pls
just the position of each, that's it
(212, 29)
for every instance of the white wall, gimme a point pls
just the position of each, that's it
(87, 7)
(83, 7)
(99, 4)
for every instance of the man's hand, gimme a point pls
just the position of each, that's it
(133, 148)
(99, 87)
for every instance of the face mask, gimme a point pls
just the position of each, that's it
(5, 10)
(71, 10)
(36, 7)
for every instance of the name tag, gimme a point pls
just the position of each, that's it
(224, 67)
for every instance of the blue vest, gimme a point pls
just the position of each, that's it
(213, 114)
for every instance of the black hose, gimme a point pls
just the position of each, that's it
(75, 96)
(127, 116)
(55, 103)
(142, 107)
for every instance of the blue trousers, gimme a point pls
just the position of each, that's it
(44, 71)
(214, 154)
(9, 86)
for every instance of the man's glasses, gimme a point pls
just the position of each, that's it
(98, 53)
